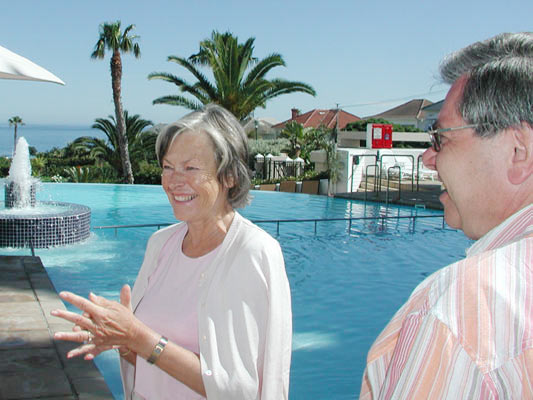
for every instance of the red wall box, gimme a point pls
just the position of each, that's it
(381, 136)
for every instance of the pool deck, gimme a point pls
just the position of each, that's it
(34, 365)
(427, 195)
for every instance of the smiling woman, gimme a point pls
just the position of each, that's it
(210, 312)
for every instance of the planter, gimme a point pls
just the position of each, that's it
(323, 186)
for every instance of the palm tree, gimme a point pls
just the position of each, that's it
(15, 121)
(296, 133)
(233, 88)
(140, 140)
(112, 39)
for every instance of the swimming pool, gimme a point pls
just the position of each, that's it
(346, 281)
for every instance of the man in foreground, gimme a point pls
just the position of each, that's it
(466, 332)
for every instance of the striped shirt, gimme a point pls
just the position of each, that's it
(466, 332)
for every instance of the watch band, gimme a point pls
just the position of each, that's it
(158, 349)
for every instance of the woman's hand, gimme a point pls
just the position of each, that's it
(103, 325)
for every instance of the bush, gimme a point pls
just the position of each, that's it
(148, 173)
(360, 126)
(262, 146)
(79, 174)
(5, 163)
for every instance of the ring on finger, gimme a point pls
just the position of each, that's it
(90, 337)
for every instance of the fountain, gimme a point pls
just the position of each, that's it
(24, 222)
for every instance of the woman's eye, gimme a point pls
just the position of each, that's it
(189, 168)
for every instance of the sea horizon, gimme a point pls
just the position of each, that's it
(44, 137)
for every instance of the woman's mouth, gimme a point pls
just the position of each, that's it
(185, 198)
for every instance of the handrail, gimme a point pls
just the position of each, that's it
(399, 183)
(278, 221)
(355, 161)
(418, 171)
(366, 177)
(412, 170)
(381, 167)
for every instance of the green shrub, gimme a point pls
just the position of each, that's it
(263, 146)
(148, 173)
(5, 163)
(360, 126)
(79, 174)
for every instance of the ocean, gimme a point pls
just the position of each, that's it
(44, 137)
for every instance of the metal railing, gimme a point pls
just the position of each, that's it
(382, 218)
(378, 165)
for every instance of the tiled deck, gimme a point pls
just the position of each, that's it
(34, 365)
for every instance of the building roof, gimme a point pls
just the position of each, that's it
(317, 117)
(412, 109)
(264, 125)
(434, 106)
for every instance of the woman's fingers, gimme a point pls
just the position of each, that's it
(80, 336)
(125, 296)
(77, 319)
(89, 351)
(109, 322)
(79, 302)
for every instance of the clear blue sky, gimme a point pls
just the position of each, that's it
(351, 52)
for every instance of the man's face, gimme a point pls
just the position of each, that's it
(470, 168)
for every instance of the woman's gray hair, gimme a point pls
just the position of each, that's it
(230, 143)
(498, 93)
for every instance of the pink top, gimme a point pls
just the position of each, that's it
(169, 307)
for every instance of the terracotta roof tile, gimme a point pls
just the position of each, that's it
(317, 117)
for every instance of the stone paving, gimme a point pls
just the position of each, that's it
(33, 365)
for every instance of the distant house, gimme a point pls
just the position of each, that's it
(316, 118)
(431, 113)
(412, 113)
(260, 128)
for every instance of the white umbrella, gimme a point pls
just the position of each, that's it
(13, 66)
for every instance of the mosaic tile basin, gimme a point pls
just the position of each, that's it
(49, 224)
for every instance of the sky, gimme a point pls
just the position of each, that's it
(362, 56)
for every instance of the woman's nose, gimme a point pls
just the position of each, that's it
(174, 177)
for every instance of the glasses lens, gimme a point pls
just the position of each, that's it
(435, 140)
(434, 136)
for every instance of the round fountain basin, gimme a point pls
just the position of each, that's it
(50, 223)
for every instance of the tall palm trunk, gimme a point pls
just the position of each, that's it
(116, 78)
(15, 140)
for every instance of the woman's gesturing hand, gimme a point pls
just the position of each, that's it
(103, 325)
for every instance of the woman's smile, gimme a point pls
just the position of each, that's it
(183, 198)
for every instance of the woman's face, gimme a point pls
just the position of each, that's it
(190, 180)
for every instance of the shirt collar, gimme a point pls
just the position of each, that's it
(514, 228)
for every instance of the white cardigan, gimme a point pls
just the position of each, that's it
(244, 315)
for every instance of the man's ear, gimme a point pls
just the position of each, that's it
(522, 161)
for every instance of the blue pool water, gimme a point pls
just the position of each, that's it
(346, 280)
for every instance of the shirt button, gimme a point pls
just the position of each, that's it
(208, 372)
(204, 337)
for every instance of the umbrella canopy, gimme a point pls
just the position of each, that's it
(13, 66)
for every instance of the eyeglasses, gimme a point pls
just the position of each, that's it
(435, 134)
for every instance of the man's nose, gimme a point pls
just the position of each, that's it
(428, 158)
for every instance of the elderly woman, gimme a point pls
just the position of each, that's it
(209, 314)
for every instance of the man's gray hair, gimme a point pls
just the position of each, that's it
(498, 93)
(230, 143)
